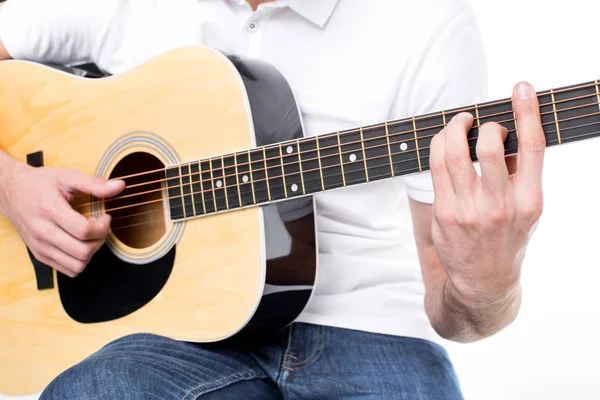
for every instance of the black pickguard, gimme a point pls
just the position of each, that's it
(110, 288)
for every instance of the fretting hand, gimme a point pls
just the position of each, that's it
(36, 200)
(481, 225)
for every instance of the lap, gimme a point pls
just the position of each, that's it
(302, 362)
(147, 366)
(346, 364)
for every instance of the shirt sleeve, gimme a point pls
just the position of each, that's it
(452, 73)
(55, 31)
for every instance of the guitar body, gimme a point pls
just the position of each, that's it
(203, 279)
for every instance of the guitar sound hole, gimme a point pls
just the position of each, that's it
(138, 213)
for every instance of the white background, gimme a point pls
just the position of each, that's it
(552, 351)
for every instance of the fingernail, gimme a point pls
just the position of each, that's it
(524, 91)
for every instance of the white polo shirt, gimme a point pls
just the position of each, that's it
(350, 63)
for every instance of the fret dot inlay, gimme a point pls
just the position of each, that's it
(352, 157)
(403, 147)
(245, 179)
(290, 150)
(294, 188)
(219, 183)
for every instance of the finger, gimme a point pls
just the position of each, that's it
(96, 186)
(82, 251)
(458, 155)
(64, 261)
(532, 142)
(80, 227)
(490, 153)
(53, 264)
(442, 183)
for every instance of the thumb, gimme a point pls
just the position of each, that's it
(94, 185)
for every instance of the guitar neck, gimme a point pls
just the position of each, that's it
(366, 154)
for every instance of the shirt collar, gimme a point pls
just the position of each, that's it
(316, 11)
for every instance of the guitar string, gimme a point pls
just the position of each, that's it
(480, 108)
(315, 179)
(256, 205)
(298, 153)
(202, 181)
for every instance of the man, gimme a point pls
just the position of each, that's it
(367, 332)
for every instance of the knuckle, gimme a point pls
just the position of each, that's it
(467, 219)
(445, 216)
(454, 159)
(46, 210)
(501, 215)
(85, 231)
(78, 267)
(36, 232)
(487, 150)
(532, 209)
(86, 252)
(437, 166)
(535, 144)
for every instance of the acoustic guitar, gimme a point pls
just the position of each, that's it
(217, 168)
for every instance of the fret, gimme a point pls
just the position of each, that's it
(387, 137)
(244, 178)
(331, 169)
(427, 127)
(352, 159)
(174, 193)
(503, 114)
(186, 187)
(320, 164)
(191, 188)
(311, 168)
(259, 176)
(403, 147)
(237, 180)
(224, 181)
(477, 121)
(230, 182)
(597, 93)
(548, 117)
(283, 172)
(300, 165)
(291, 169)
(251, 177)
(208, 191)
(377, 152)
(341, 159)
(197, 189)
(362, 145)
(555, 116)
(275, 179)
(578, 114)
(218, 185)
(417, 144)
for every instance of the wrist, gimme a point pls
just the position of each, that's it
(482, 315)
(482, 293)
(9, 168)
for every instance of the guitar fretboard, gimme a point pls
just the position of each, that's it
(317, 164)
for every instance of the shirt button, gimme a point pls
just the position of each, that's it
(253, 26)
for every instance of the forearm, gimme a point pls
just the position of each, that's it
(461, 319)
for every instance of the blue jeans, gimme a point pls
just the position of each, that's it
(301, 362)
